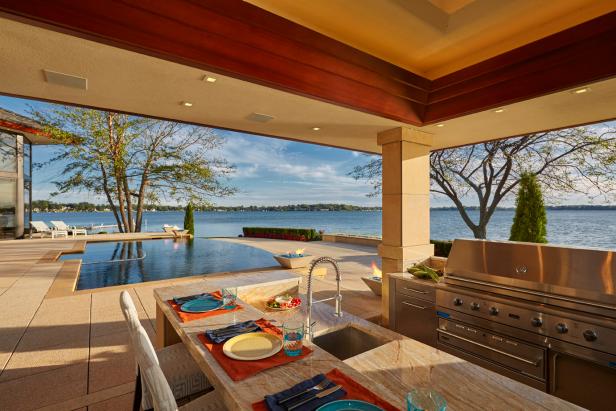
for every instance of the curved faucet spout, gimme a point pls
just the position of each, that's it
(338, 297)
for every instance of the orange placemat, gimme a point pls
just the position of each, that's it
(185, 317)
(354, 390)
(240, 370)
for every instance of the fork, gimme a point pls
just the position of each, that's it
(319, 387)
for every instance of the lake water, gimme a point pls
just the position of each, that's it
(584, 228)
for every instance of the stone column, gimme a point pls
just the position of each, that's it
(406, 203)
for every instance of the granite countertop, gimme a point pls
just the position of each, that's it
(389, 370)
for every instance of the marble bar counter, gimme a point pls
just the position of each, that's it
(390, 370)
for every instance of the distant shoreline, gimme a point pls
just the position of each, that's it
(354, 209)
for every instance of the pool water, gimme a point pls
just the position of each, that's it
(127, 262)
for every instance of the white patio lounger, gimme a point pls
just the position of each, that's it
(43, 228)
(169, 228)
(61, 225)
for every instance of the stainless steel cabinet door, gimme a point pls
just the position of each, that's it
(416, 319)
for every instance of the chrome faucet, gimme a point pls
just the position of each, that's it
(338, 297)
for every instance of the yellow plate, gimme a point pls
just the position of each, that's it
(252, 346)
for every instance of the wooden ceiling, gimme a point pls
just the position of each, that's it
(246, 42)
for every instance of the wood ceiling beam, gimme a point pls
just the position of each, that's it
(237, 39)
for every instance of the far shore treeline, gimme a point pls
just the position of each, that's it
(45, 206)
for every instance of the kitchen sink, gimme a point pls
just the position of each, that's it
(348, 342)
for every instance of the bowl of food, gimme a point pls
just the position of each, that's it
(283, 303)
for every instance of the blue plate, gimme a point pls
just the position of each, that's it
(349, 405)
(201, 305)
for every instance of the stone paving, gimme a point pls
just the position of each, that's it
(68, 351)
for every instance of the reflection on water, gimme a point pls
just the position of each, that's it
(127, 262)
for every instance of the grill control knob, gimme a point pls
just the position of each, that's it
(590, 335)
(561, 328)
(475, 306)
(537, 322)
(458, 301)
(493, 311)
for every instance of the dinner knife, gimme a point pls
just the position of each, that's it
(321, 394)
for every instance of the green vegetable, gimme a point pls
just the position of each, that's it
(424, 272)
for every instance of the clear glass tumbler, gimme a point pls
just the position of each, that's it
(424, 399)
(229, 298)
(292, 336)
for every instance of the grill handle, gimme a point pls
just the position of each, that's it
(487, 347)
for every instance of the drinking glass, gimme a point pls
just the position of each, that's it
(292, 336)
(229, 298)
(424, 399)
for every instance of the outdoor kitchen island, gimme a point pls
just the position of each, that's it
(389, 370)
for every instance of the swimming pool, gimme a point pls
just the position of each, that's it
(127, 262)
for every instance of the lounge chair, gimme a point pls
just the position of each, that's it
(180, 233)
(170, 228)
(72, 230)
(42, 228)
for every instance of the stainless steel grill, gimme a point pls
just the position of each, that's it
(541, 314)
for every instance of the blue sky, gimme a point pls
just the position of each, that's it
(270, 172)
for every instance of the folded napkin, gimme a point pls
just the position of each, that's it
(182, 300)
(220, 335)
(272, 400)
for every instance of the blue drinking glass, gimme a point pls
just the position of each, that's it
(292, 337)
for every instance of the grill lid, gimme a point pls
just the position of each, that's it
(586, 274)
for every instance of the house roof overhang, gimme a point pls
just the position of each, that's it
(276, 65)
(16, 123)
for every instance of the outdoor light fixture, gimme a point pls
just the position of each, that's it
(440, 125)
(186, 103)
(209, 79)
(581, 90)
(316, 128)
(500, 110)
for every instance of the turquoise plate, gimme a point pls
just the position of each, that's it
(349, 405)
(201, 305)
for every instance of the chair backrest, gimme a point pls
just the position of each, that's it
(153, 375)
(129, 311)
(40, 226)
(60, 225)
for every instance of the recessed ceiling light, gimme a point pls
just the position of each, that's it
(581, 90)
(440, 125)
(209, 79)
(186, 103)
(500, 110)
(316, 128)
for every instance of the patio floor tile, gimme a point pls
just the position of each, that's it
(46, 388)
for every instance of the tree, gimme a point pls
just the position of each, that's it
(530, 220)
(575, 160)
(189, 219)
(130, 160)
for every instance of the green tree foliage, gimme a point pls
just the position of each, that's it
(189, 219)
(530, 220)
(131, 160)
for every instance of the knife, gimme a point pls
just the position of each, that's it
(321, 394)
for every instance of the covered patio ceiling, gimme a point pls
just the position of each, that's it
(444, 67)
